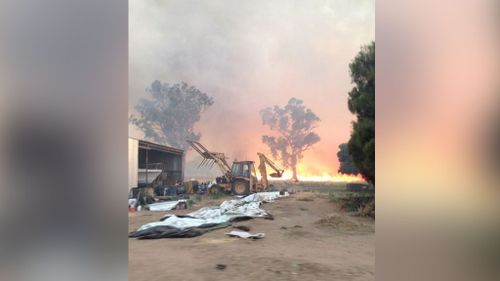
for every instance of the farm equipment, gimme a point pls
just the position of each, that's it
(240, 178)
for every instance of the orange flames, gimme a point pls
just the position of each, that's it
(330, 178)
(320, 175)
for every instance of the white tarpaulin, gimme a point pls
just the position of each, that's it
(164, 206)
(247, 207)
(246, 235)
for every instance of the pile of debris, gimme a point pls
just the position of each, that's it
(208, 218)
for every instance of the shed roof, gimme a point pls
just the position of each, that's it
(151, 145)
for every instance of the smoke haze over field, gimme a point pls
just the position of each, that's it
(249, 55)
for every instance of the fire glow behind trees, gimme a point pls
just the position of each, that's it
(249, 55)
(294, 124)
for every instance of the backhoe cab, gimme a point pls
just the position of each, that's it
(240, 178)
(244, 178)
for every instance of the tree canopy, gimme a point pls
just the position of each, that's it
(361, 102)
(294, 125)
(347, 165)
(169, 113)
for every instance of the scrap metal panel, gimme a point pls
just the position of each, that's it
(133, 162)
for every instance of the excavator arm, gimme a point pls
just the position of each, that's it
(278, 173)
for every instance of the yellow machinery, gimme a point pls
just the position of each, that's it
(240, 178)
(263, 171)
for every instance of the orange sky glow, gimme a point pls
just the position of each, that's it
(249, 56)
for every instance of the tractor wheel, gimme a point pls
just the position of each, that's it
(240, 187)
(216, 189)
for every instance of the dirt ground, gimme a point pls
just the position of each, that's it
(309, 239)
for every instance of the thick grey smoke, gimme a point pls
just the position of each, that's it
(250, 55)
(169, 113)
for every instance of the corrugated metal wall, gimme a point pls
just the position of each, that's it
(133, 162)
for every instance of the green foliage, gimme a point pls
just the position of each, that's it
(170, 112)
(362, 203)
(217, 195)
(294, 125)
(362, 103)
(347, 166)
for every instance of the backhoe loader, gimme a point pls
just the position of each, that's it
(240, 178)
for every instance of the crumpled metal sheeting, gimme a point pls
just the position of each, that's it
(245, 234)
(184, 222)
(263, 197)
(164, 206)
(251, 209)
(173, 232)
(230, 210)
(206, 213)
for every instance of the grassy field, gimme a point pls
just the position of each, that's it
(310, 186)
(360, 202)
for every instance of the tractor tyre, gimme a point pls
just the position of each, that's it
(240, 187)
(216, 189)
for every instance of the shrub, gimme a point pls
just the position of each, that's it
(368, 209)
(217, 195)
(363, 203)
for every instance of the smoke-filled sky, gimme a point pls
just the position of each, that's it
(249, 55)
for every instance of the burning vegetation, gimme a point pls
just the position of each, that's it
(170, 112)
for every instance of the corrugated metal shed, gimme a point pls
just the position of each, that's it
(145, 156)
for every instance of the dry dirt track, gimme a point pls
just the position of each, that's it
(307, 240)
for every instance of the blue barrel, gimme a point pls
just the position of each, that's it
(171, 190)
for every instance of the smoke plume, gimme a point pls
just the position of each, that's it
(250, 55)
